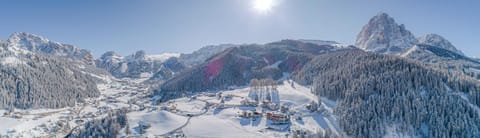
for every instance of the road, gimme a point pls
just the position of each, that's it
(187, 122)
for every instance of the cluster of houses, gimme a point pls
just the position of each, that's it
(263, 94)
(169, 106)
(278, 118)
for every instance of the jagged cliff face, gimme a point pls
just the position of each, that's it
(383, 35)
(438, 41)
(38, 44)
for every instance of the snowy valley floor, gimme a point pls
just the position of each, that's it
(201, 115)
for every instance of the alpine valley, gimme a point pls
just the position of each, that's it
(390, 83)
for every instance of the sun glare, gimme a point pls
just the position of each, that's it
(263, 6)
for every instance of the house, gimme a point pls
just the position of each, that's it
(247, 102)
(278, 118)
(250, 114)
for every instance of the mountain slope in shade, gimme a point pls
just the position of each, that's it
(383, 35)
(236, 66)
(438, 41)
(37, 44)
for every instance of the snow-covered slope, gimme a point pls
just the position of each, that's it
(443, 58)
(199, 56)
(438, 41)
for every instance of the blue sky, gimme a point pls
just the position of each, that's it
(158, 26)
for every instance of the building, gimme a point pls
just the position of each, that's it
(278, 118)
(248, 102)
(250, 114)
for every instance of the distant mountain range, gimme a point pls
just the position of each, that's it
(138, 65)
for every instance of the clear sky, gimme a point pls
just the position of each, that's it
(158, 26)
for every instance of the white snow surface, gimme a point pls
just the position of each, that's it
(161, 121)
(163, 57)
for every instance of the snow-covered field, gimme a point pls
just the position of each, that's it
(161, 121)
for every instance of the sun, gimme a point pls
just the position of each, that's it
(263, 6)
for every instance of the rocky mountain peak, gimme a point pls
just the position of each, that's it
(139, 55)
(37, 44)
(438, 41)
(109, 54)
(382, 34)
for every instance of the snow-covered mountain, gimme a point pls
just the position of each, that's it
(22, 42)
(383, 35)
(199, 56)
(139, 65)
(438, 41)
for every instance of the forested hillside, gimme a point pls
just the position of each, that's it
(378, 94)
(108, 127)
(236, 66)
(38, 81)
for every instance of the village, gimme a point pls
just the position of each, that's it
(259, 106)
(265, 108)
(116, 94)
